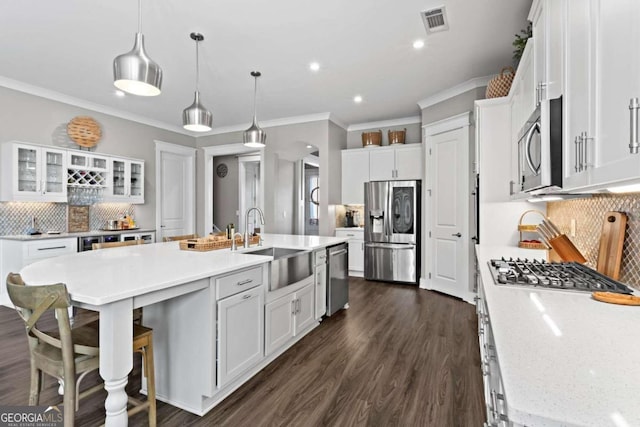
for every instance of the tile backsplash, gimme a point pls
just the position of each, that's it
(589, 215)
(15, 217)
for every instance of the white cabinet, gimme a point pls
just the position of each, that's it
(356, 249)
(403, 162)
(547, 23)
(17, 254)
(288, 316)
(320, 281)
(617, 81)
(32, 173)
(360, 165)
(355, 172)
(87, 161)
(240, 334)
(127, 181)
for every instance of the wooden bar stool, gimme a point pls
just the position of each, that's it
(69, 352)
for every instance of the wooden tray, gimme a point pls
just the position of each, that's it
(205, 244)
(614, 298)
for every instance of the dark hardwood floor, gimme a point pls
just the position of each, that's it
(399, 356)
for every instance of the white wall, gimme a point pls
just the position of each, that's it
(29, 118)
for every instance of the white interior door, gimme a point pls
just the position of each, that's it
(175, 188)
(449, 205)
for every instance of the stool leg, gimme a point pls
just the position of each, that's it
(34, 392)
(151, 382)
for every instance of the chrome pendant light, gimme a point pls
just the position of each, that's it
(134, 72)
(196, 117)
(254, 136)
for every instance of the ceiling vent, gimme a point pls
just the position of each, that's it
(435, 20)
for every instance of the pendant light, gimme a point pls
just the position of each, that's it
(196, 117)
(134, 72)
(254, 136)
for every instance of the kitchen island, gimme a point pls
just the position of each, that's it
(555, 357)
(179, 289)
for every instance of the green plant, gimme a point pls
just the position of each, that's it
(520, 42)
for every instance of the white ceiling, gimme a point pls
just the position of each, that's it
(364, 47)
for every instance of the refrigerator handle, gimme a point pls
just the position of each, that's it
(388, 228)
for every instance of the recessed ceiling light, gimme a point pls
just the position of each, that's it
(418, 44)
(309, 146)
(119, 93)
(357, 99)
(314, 66)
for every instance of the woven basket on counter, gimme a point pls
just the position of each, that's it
(212, 243)
(500, 85)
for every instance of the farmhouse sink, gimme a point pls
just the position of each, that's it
(288, 266)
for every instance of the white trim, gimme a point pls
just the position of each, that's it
(336, 121)
(454, 91)
(494, 101)
(385, 123)
(270, 123)
(181, 150)
(445, 125)
(81, 103)
(224, 150)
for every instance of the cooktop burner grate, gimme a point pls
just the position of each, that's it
(564, 275)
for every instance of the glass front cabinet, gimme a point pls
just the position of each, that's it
(127, 181)
(32, 173)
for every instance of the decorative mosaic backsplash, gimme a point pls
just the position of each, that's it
(15, 217)
(589, 215)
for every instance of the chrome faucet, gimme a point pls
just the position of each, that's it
(234, 247)
(246, 224)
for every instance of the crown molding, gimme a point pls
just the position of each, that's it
(294, 120)
(454, 91)
(445, 125)
(337, 122)
(81, 103)
(385, 123)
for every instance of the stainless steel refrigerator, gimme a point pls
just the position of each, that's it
(392, 231)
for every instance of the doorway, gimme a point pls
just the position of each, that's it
(175, 187)
(307, 210)
(249, 194)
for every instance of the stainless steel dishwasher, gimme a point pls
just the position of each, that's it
(338, 279)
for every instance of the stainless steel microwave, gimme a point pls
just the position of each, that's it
(540, 149)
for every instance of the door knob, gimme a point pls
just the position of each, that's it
(457, 235)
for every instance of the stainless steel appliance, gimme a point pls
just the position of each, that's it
(85, 243)
(392, 231)
(569, 276)
(540, 149)
(338, 279)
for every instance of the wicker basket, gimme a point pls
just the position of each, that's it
(372, 139)
(499, 85)
(529, 228)
(397, 136)
(204, 244)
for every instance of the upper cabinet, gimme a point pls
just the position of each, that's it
(127, 181)
(32, 173)
(547, 25)
(603, 64)
(360, 165)
(37, 173)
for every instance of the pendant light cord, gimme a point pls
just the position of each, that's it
(197, 65)
(255, 94)
(140, 16)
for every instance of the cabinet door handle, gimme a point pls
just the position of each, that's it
(634, 106)
(299, 309)
(577, 143)
(293, 307)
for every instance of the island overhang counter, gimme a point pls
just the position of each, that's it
(116, 281)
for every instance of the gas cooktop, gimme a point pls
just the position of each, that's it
(550, 275)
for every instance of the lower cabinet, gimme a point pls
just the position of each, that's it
(356, 249)
(240, 336)
(288, 316)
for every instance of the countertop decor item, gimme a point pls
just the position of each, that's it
(134, 72)
(397, 136)
(611, 243)
(78, 219)
(254, 136)
(196, 117)
(500, 85)
(565, 249)
(372, 139)
(84, 131)
(212, 243)
(529, 228)
(614, 298)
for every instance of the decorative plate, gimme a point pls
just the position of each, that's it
(84, 131)
(222, 170)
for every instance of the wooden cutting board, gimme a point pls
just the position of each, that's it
(611, 242)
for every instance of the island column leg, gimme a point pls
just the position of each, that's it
(116, 358)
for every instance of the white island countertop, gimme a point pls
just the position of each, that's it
(565, 358)
(104, 276)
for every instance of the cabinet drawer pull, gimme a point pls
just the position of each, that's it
(244, 282)
(247, 296)
(634, 106)
(52, 247)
